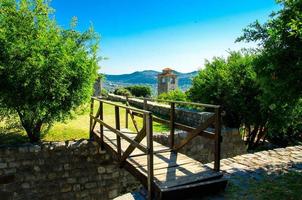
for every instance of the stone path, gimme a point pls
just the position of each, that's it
(239, 170)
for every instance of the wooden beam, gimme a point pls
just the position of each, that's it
(196, 132)
(172, 124)
(117, 126)
(131, 141)
(139, 137)
(217, 139)
(101, 108)
(149, 132)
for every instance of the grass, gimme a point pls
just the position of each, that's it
(76, 128)
(286, 186)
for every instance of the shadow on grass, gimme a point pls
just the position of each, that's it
(9, 137)
(281, 184)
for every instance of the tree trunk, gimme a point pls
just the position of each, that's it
(32, 129)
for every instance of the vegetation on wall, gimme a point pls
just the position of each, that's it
(45, 71)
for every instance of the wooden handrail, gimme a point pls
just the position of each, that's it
(121, 106)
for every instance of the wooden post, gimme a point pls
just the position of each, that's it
(127, 112)
(217, 139)
(101, 126)
(172, 124)
(117, 126)
(145, 104)
(91, 119)
(149, 133)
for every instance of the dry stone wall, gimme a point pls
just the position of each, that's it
(202, 149)
(183, 116)
(62, 170)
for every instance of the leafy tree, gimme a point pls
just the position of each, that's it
(139, 90)
(232, 84)
(279, 66)
(45, 70)
(174, 95)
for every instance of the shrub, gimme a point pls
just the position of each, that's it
(45, 70)
(139, 90)
(122, 91)
(173, 95)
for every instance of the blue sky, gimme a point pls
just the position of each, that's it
(152, 34)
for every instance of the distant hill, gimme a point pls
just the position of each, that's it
(147, 77)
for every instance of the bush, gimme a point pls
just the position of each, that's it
(122, 91)
(139, 90)
(173, 95)
(45, 70)
(232, 84)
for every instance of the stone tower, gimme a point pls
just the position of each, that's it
(166, 81)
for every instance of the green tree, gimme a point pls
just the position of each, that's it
(232, 84)
(139, 90)
(45, 70)
(279, 66)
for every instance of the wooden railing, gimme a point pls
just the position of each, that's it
(193, 132)
(146, 131)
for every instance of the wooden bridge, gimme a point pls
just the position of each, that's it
(163, 171)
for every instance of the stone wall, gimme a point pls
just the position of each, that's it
(62, 170)
(202, 149)
(183, 116)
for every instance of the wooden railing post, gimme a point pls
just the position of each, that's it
(117, 126)
(127, 112)
(149, 133)
(91, 119)
(172, 124)
(101, 125)
(145, 104)
(217, 138)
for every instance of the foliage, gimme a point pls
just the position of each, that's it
(122, 91)
(104, 92)
(173, 95)
(279, 66)
(139, 90)
(74, 128)
(232, 84)
(45, 70)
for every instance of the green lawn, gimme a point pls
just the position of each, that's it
(75, 128)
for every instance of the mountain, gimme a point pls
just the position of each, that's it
(146, 77)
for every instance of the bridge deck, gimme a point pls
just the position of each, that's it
(171, 169)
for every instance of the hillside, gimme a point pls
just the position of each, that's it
(148, 77)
